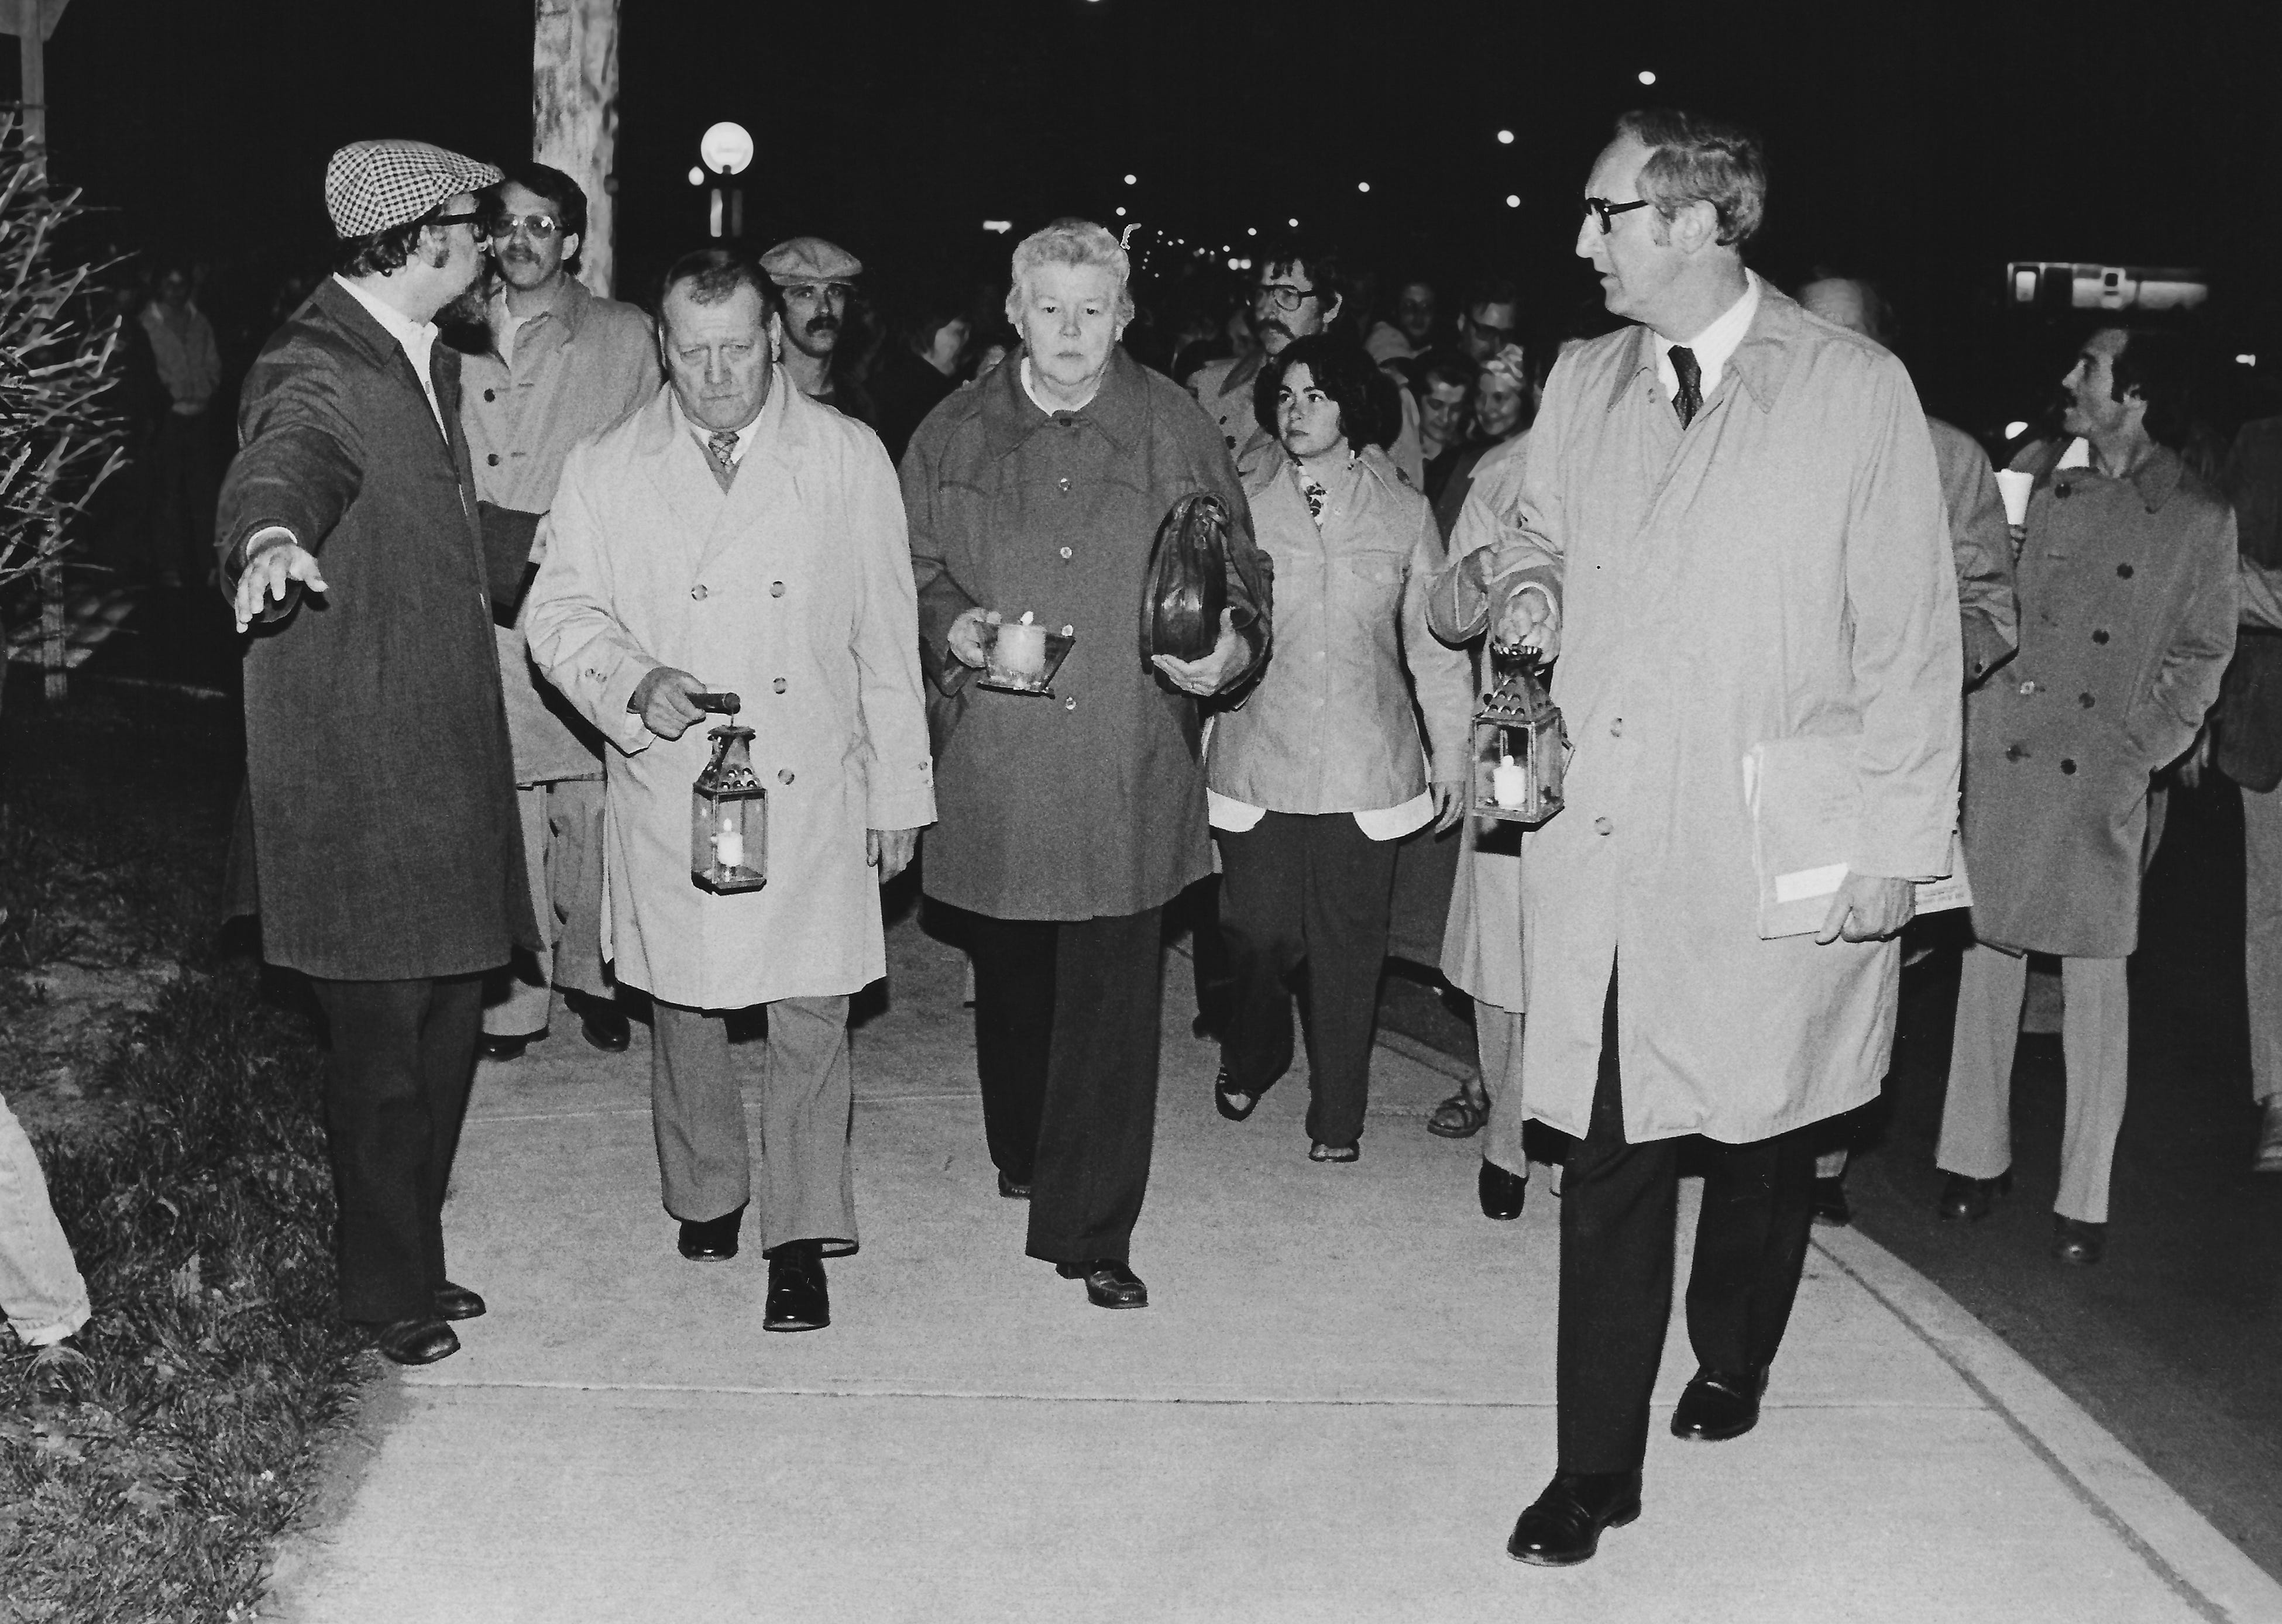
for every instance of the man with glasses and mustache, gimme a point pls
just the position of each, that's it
(563, 365)
(385, 848)
(1300, 292)
(817, 278)
(1729, 532)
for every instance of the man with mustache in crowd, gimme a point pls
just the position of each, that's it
(386, 854)
(816, 278)
(563, 367)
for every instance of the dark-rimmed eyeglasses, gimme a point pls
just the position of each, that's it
(542, 227)
(1601, 209)
(476, 218)
(1283, 295)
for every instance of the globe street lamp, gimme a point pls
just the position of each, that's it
(727, 149)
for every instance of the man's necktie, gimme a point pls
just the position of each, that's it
(1689, 400)
(724, 456)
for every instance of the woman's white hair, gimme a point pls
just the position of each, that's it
(1071, 241)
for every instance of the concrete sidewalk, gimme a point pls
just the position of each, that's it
(1338, 1403)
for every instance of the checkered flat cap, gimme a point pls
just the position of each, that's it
(810, 258)
(374, 185)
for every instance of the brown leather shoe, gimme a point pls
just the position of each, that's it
(1564, 1527)
(416, 1341)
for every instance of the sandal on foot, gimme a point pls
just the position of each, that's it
(1226, 1097)
(1457, 1117)
(1319, 1152)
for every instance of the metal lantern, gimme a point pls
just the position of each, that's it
(729, 816)
(1520, 747)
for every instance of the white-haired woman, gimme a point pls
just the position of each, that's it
(1067, 822)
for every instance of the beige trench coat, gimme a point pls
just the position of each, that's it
(1781, 569)
(794, 591)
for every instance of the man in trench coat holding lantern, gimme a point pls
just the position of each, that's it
(1730, 533)
(733, 536)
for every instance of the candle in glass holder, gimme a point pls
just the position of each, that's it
(1022, 649)
(1509, 783)
(729, 848)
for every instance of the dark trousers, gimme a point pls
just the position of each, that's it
(185, 484)
(396, 1088)
(1306, 893)
(1066, 1037)
(1618, 1205)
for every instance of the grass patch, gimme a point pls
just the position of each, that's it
(201, 1208)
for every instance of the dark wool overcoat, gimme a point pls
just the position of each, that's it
(1090, 804)
(385, 843)
(2128, 606)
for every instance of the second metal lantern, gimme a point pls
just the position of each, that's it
(1520, 746)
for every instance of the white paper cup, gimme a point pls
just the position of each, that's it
(2013, 485)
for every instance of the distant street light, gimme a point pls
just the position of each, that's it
(1293, 223)
(726, 148)
(696, 175)
(1362, 186)
(1251, 231)
(1002, 227)
(1120, 212)
(1647, 78)
(1133, 179)
(1513, 200)
(1505, 137)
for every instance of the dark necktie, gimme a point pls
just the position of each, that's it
(1689, 400)
(724, 456)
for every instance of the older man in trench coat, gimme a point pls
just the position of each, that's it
(1069, 821)
(384, 848)
(1730, 532)
(735, 536)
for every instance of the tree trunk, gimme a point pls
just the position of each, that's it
(574, 115)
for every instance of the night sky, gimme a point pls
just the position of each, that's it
(1927, 143)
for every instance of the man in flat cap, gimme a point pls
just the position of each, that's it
(815, 279)
(386, 855)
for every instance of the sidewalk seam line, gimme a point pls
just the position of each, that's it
(444, 1384)
(2156, 1562)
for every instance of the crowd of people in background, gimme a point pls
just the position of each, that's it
(1403, 522)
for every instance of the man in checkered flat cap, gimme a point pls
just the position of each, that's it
(816, 279)
(379, 840)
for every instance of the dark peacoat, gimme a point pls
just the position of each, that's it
(2128, 604)
(1090, 804)
(385, 842)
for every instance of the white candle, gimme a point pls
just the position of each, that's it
(1509, 783)
(729, 848)
(1022, 649)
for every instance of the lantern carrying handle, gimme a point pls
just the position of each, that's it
(719, 704)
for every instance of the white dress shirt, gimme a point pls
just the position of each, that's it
(1714, 345)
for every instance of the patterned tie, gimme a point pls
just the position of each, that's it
(1689, 400)
(724, 456)
(1317, 496)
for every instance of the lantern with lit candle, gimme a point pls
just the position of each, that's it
(729, 811)
(1520, 746)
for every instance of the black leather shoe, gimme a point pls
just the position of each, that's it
(416, 1341)
(1971, 1198)
(1500, 1191)
(798, 1300)
(1226, 1098)
(1719, 1404)
(457, 1303)
(1830, 1204)
(1012, 1191)
(496, 1046)
(1563, 1527)
(2076, 1241)
(712, 1240)
(602, 1024)
(1108, 1283)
